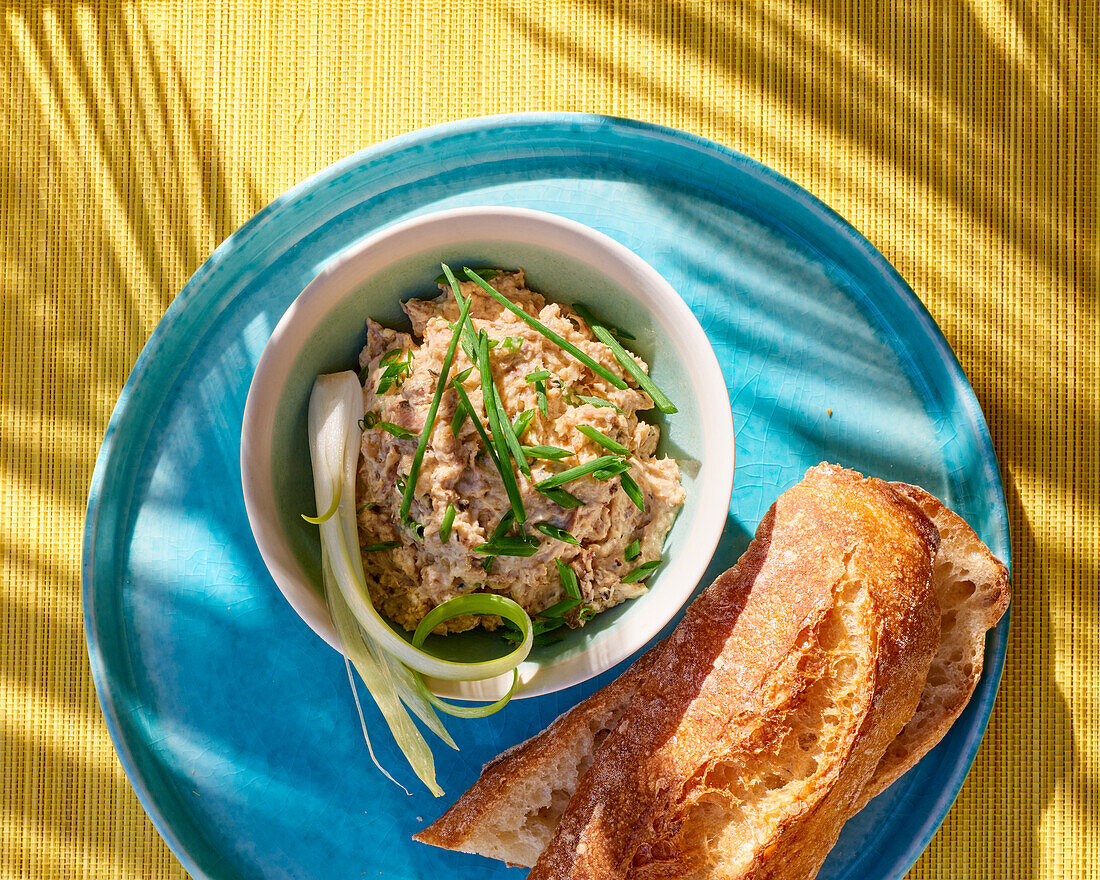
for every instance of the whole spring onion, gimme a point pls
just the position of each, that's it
(384, 660)
(334, 447)
(597, 368)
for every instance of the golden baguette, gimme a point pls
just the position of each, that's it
(514, 807)
(769, 708)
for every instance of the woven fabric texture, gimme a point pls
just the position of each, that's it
(961, 138)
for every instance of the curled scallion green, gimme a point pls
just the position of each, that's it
(480, 604)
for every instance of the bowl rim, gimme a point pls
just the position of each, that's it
(328, 288)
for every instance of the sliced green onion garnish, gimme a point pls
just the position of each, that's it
(562, 498)
(559, 608)
(633, 491)
(469, 407)
(396, 430)
(381, 545)
(541, 400)
(503, 526)
(595, 367)
(394, 371)
(604, 441)
(429, 421)
(509, 344)
(537, 376)
(592, 321)
(598, 402)
(581, 470)
(485, 272)
(510, 435)
(445, 525)
(641, 572)
(633, 549)
(612, 470)
(552, 531)
(548, 453)
(368, 421)
(586, 614)
(479, 603)
(460, 416)
(469, 337)
(631, 366)
(509, 546)
(522, 423)
(546, 624)
(568, 580)
(489, 398)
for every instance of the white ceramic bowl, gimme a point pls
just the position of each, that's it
(323, 331)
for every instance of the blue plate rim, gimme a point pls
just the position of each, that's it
(996, 649)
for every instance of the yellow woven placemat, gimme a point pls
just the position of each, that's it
(960, 138)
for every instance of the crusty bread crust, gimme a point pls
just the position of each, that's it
(511, 812)
(772, 702)
(972, 591)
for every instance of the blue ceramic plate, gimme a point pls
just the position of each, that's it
(235, 722)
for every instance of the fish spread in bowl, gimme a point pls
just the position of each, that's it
(567, 516)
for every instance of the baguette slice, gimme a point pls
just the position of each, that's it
(972, 591)
(511, 811)
(772, 702)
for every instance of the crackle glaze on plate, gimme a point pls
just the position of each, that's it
(235, 723)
